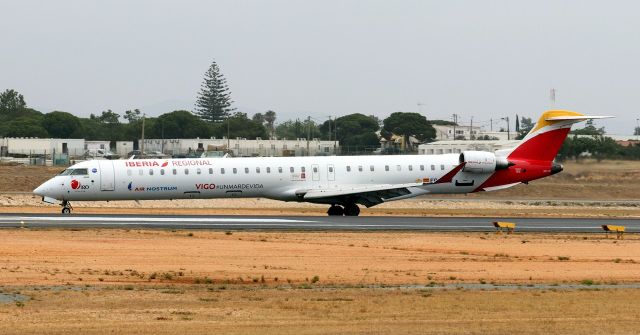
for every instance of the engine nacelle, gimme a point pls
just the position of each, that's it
(482, 162)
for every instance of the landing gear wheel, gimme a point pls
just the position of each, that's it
(351, 210)
(335, 210)
(66, 207)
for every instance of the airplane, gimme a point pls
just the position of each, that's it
(342, 182)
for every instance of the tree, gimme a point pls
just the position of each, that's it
(356, 130)
(214, 99)
(11, 101)
(107, 116)
(636, 131)
(180, 124)
(132, 116)
(525, 126)
(589, 129)
(23, 127)
(62, 125)
(297, 129)
(517, 124)
(410, 124)
(239, 125)
(270, 118)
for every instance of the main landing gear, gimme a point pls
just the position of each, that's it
(347, 210)
(66, 207)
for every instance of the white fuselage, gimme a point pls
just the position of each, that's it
(281, 178)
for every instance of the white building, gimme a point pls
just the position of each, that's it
(444, 133)
(94, 145)
(243, 146)
(448, 147)
(27, 146)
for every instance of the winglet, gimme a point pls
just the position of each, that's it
(447, 178)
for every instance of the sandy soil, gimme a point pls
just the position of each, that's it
(214, 309)
(54, 257)
(201, 282)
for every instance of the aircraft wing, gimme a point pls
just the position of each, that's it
(367, 195)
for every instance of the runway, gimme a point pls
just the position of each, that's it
(308, 223)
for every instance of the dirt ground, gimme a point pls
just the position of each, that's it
(58, 257)
(218, 309)
(203, 282)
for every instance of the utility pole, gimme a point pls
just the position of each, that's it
(455, 123)
(142, 144)
(471, 129)
(491, 124)
(308, 133)
(228, 133)
(508, 131)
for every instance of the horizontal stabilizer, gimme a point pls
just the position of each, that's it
(577, 118)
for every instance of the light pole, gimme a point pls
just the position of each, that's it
(508, 131)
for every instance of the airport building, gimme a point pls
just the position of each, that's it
(242, 147)
(448, 147)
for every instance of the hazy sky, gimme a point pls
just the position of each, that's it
(480, 59)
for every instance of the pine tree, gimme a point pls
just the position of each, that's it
(214, 99)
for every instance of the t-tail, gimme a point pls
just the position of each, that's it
(533, 157)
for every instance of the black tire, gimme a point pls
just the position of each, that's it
(66, 210)
(335, 211)
(351, 210)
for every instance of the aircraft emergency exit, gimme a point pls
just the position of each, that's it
(342, 182)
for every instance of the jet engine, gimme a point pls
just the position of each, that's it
(482, 162)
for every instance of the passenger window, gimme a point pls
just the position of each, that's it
(371, 167)
(315, 169)
(198, 171)
(386, 167)
(128, 172)
(421, 167)
(268, 169)
(221, 170)
(302, 169)
(162, 172)
(210, 170)
(410, 167)
(151, 172)
(257, 170)
(441, 167)
(348, 168)
(398, 167)
(291, 169)
(246, 170)
(360, 168)
(175, 171)
(280, 169)
(186, 171)
(331, 169)
(235, 170)
(433, 167)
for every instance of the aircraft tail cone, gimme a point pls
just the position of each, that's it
(556, 168)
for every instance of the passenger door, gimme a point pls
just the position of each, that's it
(331, 172)
(315, 172)
(107, 175)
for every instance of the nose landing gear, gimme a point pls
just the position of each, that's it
(66, 207)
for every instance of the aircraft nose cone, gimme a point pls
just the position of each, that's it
(41, 190)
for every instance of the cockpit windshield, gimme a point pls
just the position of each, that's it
(74, 172)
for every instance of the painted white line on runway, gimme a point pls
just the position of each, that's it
(175, 220)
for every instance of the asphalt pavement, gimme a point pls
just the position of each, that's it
(309, 223)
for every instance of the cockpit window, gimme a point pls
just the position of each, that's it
(75, 172)
(66, 172)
